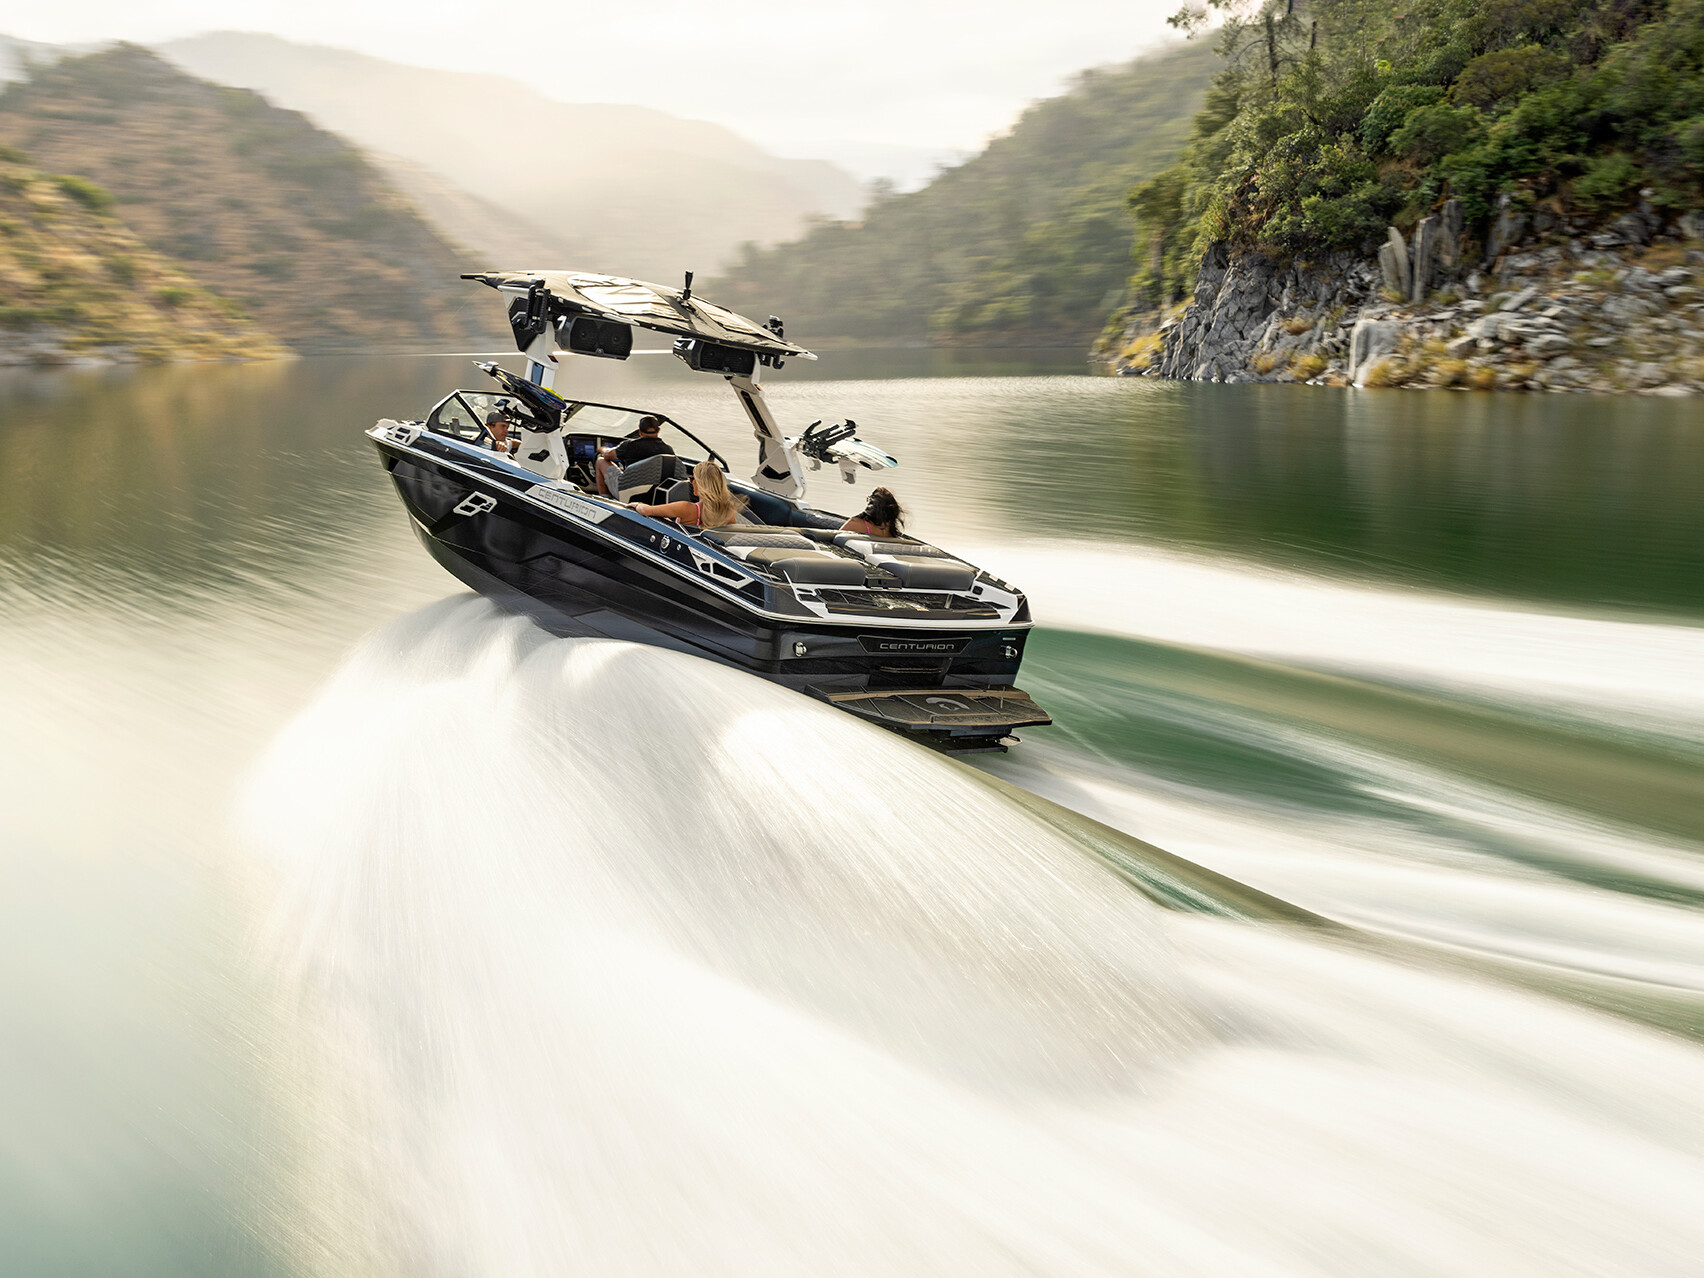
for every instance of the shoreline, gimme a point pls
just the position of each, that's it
(1602, 314)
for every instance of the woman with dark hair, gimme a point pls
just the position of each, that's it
(883, 516)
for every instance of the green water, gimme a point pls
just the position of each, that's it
(1579, 500)
(1572, 499)
(186, 554)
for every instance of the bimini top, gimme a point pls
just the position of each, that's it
(664, 310)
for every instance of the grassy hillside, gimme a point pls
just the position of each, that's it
(259, 204)
(1027, 242)
(75, 281)
(639, 191)
(1335, 118)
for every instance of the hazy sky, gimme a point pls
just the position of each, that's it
(937, 76)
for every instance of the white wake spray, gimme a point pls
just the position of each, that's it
(615, 962)
(1635, 670)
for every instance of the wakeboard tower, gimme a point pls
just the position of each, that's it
(891, 629)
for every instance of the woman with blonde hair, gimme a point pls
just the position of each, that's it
(713, 504)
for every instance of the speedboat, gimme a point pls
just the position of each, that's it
(892, 629)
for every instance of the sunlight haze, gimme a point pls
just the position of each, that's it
(881, 87)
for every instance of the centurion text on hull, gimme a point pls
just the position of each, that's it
(892, 629)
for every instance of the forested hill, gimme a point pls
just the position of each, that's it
(283, 218)
(1336, 118)
(1027, 242)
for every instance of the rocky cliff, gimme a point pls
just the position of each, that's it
(1538, 306)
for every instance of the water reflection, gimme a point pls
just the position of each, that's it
(1566, 498)
(218, 474)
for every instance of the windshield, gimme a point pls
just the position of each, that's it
(600, 419)
(463, 414)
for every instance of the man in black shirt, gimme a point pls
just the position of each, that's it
(648, 442)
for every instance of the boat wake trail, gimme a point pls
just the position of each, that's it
(612, 961)
(1654, 678)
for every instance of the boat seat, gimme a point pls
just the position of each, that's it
(805, 567)
(863, 544)
(816, 519)
(649, 473)
(916, 565)
(756, 535)
(920, 573)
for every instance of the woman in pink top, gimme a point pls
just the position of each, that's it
(882, 516)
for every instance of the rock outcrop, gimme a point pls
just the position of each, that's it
(1393, 261)
(1369, 342)
(1616, 309)
(1242, 308)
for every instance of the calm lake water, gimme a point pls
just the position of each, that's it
(353, 927)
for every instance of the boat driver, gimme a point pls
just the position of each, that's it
(498, 425)
(647, 442)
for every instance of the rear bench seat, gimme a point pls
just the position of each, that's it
(917, 566)
(787, 554)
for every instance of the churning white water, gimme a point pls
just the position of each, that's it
(1656, 674)
(1449, 880)
(615, 962)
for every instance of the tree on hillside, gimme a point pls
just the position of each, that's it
(1331, 118)
(1270, 29)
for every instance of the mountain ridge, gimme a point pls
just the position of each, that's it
(646, 193)
(255, 201)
